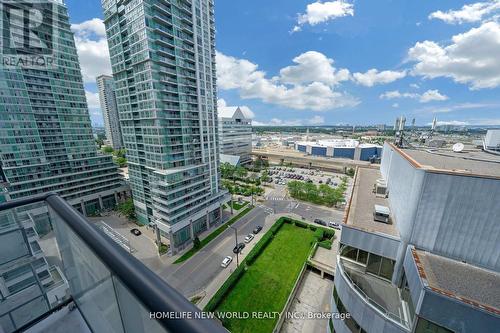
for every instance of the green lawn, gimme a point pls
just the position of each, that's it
(211, 236)
(269, 280)
(237, 205)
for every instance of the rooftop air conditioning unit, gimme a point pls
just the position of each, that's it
(381, 214)
(381, 190)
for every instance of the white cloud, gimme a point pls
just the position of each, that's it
(428, 96)
(414, 86)
(312, 91)
(395, 105)
(314, 121)
(317, 120)
(313, 66)
(396, 94)
(468, 13)
(432, 95)
(223, 108)
(470, 122)
(92, 47)
(451, 122)
(373, 77)
(92, 100)
(93, 26)
(320, 12)
(457, 107)
(472, 58)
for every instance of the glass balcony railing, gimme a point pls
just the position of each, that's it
(86, 271)
(381, 295)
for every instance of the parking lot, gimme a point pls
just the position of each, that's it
(282, 175)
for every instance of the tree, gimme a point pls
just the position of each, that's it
(350, 172)
(240, 172)
(121, 161)
(196, 243)
(107, 150)
(127, 209)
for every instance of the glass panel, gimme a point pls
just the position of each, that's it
(425, 326)
(374, 262)
(89, 280)
(362, 257)
(387, 268)
(350, 252)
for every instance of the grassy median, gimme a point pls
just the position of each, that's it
(266, 284)
(211, 236)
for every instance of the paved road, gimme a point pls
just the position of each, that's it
(191, 276)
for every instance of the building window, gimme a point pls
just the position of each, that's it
(375, 264)
(349, 321)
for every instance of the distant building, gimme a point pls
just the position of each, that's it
(46, 139)
(235, 136)
(107, 97)
(341, 148)
(492, 140)
(419, 245)
(163, 61)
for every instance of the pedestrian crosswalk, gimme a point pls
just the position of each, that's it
(266, 209)
(276, 198)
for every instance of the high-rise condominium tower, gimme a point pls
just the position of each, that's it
(163, 60)
(46, 141)
(107, 97)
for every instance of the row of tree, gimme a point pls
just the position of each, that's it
(320, 195)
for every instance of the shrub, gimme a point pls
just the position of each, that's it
(318, 234)
(196, 243)
(312, 227)
(301, 224)
(326, 244)
(226, 287)
(277, 225)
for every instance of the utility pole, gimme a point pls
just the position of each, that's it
(236, 238)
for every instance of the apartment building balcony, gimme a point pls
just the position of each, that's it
(96, 286)
(374, 303)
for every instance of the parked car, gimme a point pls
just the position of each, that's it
(320, 222)
(227, 260)
(257, 229)
(249, 238)
(239, 247)
(320, 181)
(328, 181)
(136, 232)
(334, 225)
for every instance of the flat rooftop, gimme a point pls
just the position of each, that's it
(472, 162)
(363, 203)
(471, 284)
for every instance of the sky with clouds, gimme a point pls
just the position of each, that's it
(307, 62)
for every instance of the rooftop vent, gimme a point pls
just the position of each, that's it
(381, 189)
(381, 214)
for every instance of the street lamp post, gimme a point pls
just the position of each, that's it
(236, 238)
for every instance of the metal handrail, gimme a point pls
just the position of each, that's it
(152, 291)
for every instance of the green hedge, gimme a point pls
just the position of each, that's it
(318, 234)
(326, 244)
(277, 225)
(301, 224)
(226, 287)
